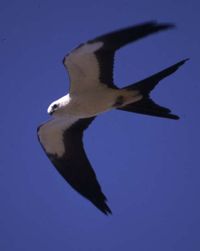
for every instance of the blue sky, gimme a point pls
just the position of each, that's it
(148, 167)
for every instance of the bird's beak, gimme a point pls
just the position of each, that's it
(50, 111)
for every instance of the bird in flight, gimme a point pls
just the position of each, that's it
(92, 92)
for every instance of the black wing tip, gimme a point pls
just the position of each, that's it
(159, 26)
(166, 26)
(105, 209)
(179, 64)
(102, 206)
(151, 26)
(173, 116)
(182, 62)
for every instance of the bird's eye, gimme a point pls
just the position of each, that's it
(55, 106)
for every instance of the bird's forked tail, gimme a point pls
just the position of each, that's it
(146, 105)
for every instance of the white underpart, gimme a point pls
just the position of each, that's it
(51, 135)
(83, 67)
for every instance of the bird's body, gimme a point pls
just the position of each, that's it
(94, 101)
(93, 92)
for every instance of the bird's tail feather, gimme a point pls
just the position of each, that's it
(146, 105)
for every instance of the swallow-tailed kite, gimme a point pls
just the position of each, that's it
(92, 91)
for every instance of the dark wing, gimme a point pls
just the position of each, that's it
(94, 60)
(73, 164)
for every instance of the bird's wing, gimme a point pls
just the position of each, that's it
(91, 63)
(63, 144)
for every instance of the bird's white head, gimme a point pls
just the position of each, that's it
(56, 108)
